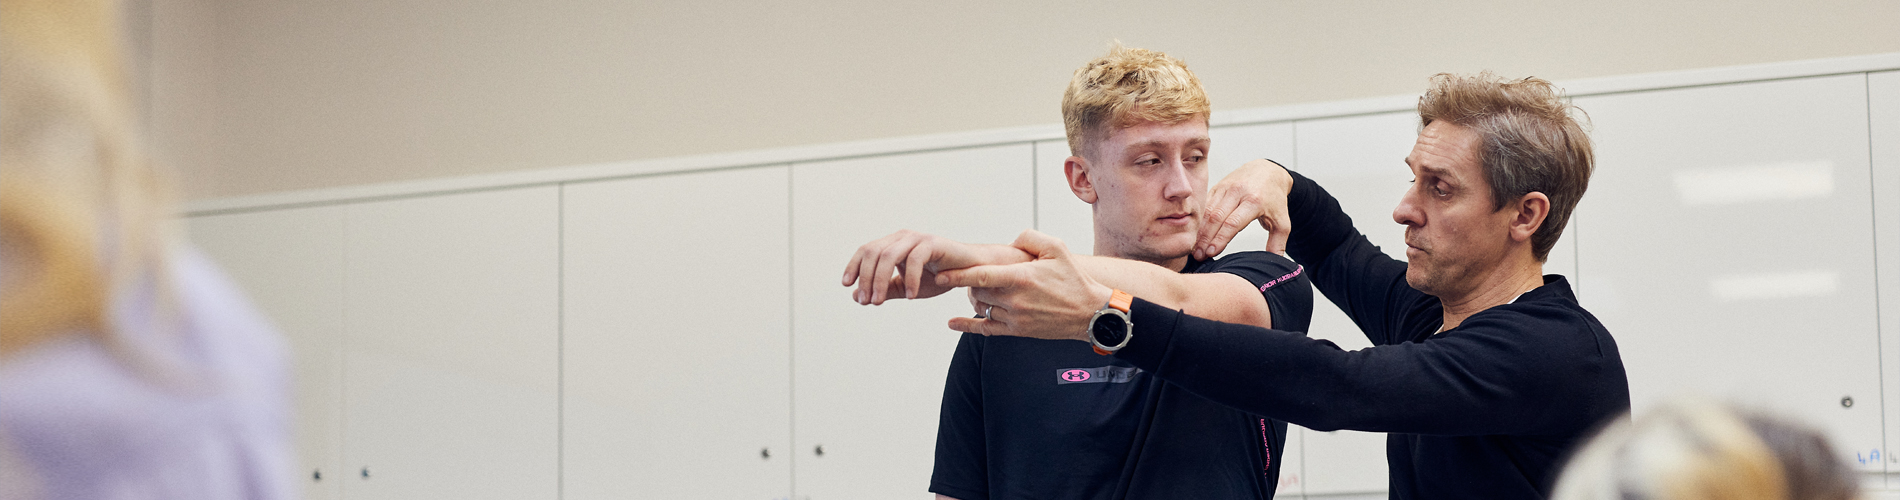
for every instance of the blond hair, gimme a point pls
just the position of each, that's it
(1125, 87)
(83, 213)
(1530, 141)
(1700, 450)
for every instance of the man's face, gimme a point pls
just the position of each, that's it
(1453, 233)
(1149, 180)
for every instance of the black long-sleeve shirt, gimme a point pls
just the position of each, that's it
(1489, 409)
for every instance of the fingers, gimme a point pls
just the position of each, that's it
(914, 270)
(1235, 212)
(887, 262)
(1041, 245)
(863, 265)
(874, 262)
(979, 276)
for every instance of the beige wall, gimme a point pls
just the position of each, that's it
(254, 96)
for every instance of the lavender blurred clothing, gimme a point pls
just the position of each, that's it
(204, 416)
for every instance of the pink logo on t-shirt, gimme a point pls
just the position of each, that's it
(1075, 375)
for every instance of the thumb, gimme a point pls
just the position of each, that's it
(977, 326)
(1277, 233)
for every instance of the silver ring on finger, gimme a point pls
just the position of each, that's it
(986, 311)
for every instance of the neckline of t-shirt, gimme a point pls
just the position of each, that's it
(1441, 322)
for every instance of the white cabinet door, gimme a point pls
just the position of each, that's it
(451, 357)
(1883, 90)
(867, 381)
(1361, 161)
(676, 367)
(290, 263)
(1727, 245)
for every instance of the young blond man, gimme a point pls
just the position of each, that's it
(1040, 419)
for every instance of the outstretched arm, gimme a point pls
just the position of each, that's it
(1217, 296)
(908, 262)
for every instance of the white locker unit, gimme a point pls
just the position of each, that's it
(452, 346)
(867, 381)
(676, 350)
(290, 263)
(1883, 92)
(1727, 246)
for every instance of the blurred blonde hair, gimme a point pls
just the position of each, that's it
(1128, 86)
(1700, 450)
(83, 214)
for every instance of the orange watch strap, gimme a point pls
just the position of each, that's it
(1121, 300)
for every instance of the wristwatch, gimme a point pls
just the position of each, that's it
(1110, 329)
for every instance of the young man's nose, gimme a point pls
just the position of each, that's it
(1179, 185)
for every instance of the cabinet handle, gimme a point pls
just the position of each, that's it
(818, 450)
(365, 472)
(765, 453)
(316, 475)
(1847, 401)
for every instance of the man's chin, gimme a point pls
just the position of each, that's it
(1420, 281)
(1164, 252)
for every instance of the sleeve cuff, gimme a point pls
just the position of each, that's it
(1154, 333)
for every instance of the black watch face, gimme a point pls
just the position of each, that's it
(1109, 329)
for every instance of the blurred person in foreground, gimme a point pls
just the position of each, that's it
(129, 367)
(1698, 450)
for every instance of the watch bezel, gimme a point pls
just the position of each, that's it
(1128, 329)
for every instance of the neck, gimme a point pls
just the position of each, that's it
(1499, 286)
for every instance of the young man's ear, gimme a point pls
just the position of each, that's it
(1529, 214)
(1077, 169)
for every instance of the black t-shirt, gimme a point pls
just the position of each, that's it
(1051, 419)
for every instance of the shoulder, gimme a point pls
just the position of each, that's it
(1551, 324)
(237, 338)
(1258, 267)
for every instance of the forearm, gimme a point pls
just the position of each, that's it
(1141, 279)
(1412, 388)
(990, 255)
(1216, 296)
